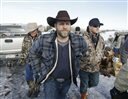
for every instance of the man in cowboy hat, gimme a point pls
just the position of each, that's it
(59, 53)
(33, 32)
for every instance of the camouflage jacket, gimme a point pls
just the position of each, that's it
(92, 59)
(27, 43)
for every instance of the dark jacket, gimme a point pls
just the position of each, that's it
(42, 55)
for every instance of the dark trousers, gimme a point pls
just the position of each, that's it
(54, 89)
(88, 80)
(28, 72)
(115, 94)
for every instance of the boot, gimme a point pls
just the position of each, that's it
(84, 95)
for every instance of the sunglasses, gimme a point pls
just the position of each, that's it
(96, 26)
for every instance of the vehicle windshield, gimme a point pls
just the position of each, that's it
(11, 30)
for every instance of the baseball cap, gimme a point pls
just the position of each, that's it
(95, 22)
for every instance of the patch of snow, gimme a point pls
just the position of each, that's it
(102, 91)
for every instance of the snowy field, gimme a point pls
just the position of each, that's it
(103, 88)
(13, 85)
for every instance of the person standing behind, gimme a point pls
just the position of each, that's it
(89, 72)
(110, 41)
(123, 52)
(120, 90)
(33, 33)
(59, 52)
(116, 44)
(77, 31)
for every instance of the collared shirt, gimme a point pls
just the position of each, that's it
(94, 38)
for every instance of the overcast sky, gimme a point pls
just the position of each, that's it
(113, 13)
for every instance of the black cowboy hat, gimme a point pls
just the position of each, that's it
(61, 16)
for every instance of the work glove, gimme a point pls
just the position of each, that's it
(108, 52)
(21, 61)
(34, 89)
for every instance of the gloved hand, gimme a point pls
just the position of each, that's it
(108, 52)
(21, 61)
(34, 89)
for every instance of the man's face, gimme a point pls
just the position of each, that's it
(77, 32)
(94, 29)
(34, 33)
(63, 28)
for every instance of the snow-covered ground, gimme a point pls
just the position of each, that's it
(14, 86)
(103, 88)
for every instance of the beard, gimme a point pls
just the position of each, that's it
(63, 34)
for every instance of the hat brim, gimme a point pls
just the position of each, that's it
(101, 24)
(29, 31)
(51, 21)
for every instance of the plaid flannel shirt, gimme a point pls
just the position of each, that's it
(42, 54)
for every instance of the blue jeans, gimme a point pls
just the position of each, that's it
(87, 80)
(116, 51)
(56, 90)
(28, 72)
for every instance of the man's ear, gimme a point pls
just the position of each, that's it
(55, 25)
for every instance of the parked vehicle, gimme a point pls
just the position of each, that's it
(11, 37)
